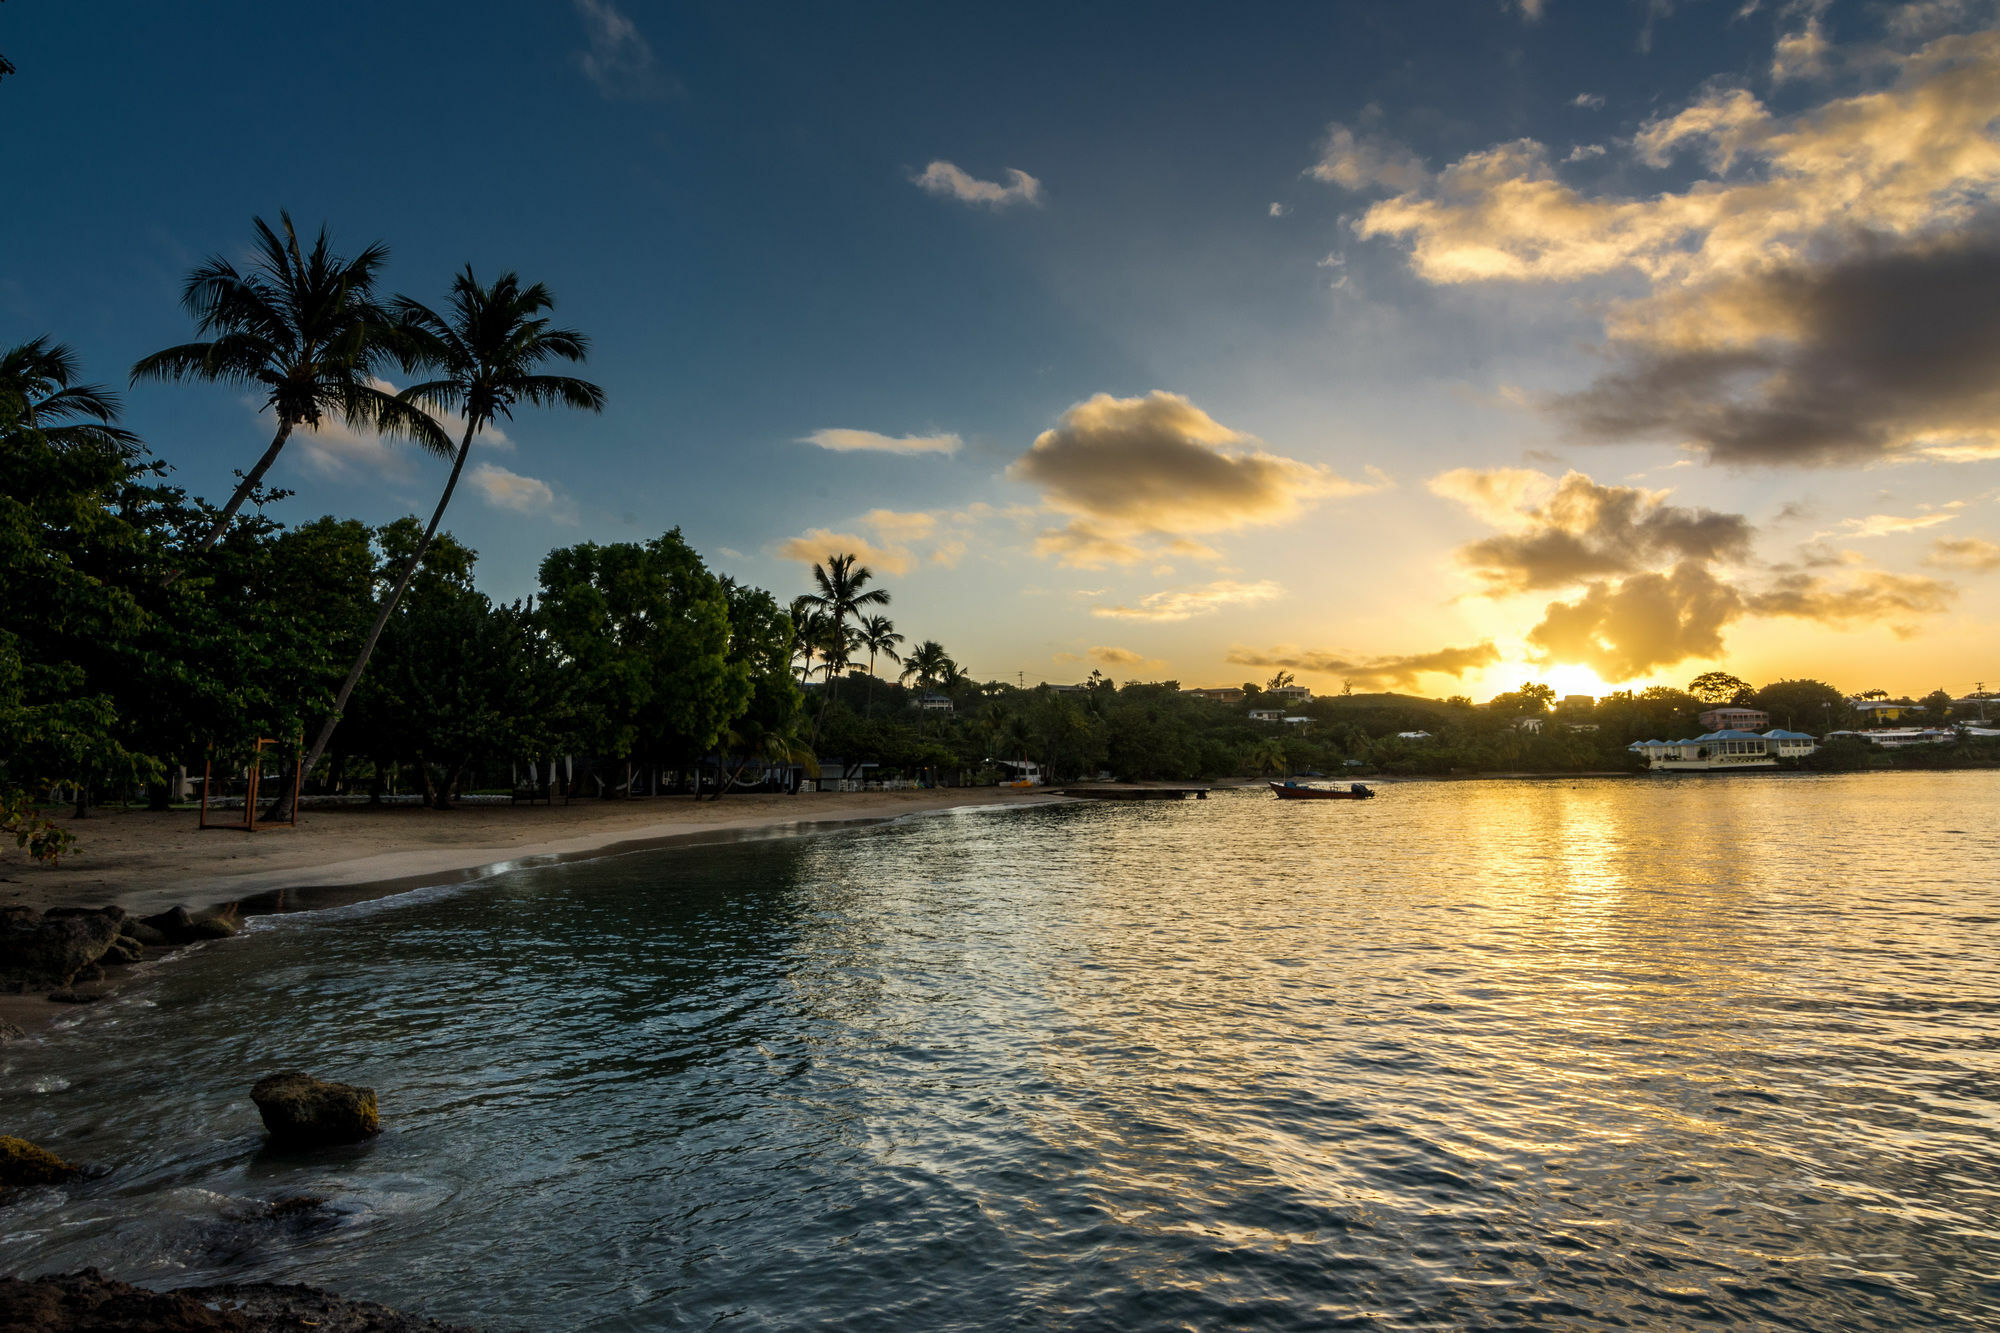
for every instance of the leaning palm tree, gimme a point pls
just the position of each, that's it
(305, 327)
(38, 389)
(840, 594)
(808, 629)
(879, 637)
(487, 348)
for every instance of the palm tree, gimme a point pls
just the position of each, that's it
(305, 327)
(486, 348)
(808, 628)
(1269, 753)
(39, 390)
(930, 664)
(878, 636)
(841, 596)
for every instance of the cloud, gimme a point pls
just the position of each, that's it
(1532, 10)
(816, 544)
(1588, 101)
(1650, 594)
(1278, 210)
(1185, 603)
(1568, 531)
(1890, 525)
(1821, 291)
(1120, 657)
(620, 59)
(1801, 54)
(867, 441)
(1968, 553)
(1360, 162)
(1629, 628)
(896, 536)
(1870, 598)
(947, 181)
(1583, 152)
(1392, 670)
(334, 448)
(1887, 352)
(524, 495)
(1134, 472)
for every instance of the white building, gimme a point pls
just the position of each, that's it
(1725, 750)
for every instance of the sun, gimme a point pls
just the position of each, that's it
(1567, 678)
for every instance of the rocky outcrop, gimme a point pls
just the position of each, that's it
(302, 1111)
(49, 950)
(89, 1302)
(177, 925)
(22, 1163)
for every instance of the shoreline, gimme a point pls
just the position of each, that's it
(148, 861)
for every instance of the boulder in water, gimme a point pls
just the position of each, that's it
(220, 926)
(51, 950)
(302, 1111)
(89, 1302)
(22, 1163)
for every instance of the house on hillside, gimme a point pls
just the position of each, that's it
(1290, 694)
(1724, 750)
(933, 702)
(1735, 719)
(1267, 715)
(1224, 694)
(1874, 712)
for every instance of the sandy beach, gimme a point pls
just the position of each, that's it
(146, 861)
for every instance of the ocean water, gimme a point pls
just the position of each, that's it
(1554, 1055)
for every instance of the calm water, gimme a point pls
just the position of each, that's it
(1649, 1054)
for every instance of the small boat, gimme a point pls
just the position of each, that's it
(1292, 791)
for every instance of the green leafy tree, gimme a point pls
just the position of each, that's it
(1937, 707)
(645, 629)
(302, 326)
(1803, 705)
(1716, 688)
(488, 350)
(879, 637)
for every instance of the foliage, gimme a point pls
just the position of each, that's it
(1716, 688)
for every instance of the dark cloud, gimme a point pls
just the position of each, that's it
(1159, 467)
(1972, 553)
(1394, 670)
(1869, 597)
(1887, 350)
(1583, 530)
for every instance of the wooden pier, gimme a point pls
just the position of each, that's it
(1109, 793)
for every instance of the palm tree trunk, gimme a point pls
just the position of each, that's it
(243, 489)
(389, 605)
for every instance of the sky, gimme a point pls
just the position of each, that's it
(1429, 347)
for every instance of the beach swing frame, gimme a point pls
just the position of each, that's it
(250, 823)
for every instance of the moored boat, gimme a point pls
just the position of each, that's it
(1292, 791)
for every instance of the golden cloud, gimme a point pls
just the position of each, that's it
(1131, 470)
(951, 182)
(1572, 530)
(1382, 670)
(1827, 290)
(1184, 603)
(1968, 553)
(817, 544)
(842, 440)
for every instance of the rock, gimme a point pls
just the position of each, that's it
(303, 1111)
(213, 928)
(89, 1302)
(11, 1032)
(51, 951)
(22, 1163)
(175, 925)
(74, 997)
(115, 913)
(144, 934)
(124, 950)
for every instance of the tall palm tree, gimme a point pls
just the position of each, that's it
(808, 629)
(486, 350)
(878, 636)
(842, 594)
(304, 325)
(38, 389)
(929, 663)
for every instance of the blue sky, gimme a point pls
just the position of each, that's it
(728, 199)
